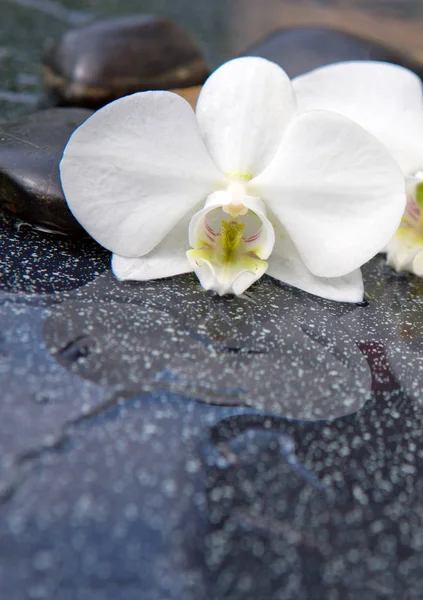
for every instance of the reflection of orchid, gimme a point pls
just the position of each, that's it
(254, 185)
(386, 100)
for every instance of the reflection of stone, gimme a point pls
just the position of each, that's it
(30, 152)
(407, 368)
(114, 515)
(309, 502)
(390, 331)
(260, 504)
(302, 49)
(95, 64)
(38, 397)
(405, 349)
(268, 351)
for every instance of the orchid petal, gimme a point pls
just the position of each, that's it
(134, 169)
(286, 265)
(242, 111)
(417, 266)
(399, 255)
(385, 99)
(167, 259)
(404, 248)
(336, 190)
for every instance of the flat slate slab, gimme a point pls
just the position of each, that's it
(156, 437)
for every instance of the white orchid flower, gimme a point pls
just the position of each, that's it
(251, 184)
(387, 100)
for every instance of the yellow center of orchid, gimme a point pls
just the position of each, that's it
(224, 259)
(228, 252)
(231, 235)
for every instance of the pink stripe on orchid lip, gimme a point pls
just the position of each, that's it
(413, 211)
(253, 238)
(412, 205)
(210, 229)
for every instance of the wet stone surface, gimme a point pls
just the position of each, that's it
(159, 438)
(105, 60)
(34, 262)
(30, 151)
(233, 351)
(301, 49)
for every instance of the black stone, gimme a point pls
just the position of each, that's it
(301, 49)
(93, 65)
(30, 152)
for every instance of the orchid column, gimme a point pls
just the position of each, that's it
(249, 182)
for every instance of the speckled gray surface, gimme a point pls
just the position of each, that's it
(160, 443)
(158, 438)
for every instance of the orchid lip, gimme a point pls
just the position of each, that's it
(228, 253)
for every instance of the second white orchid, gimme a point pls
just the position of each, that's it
(247, 185)
(387, 100)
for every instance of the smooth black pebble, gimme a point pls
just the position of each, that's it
(95, 64)
(30, 151)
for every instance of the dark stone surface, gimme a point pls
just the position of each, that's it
(30, 151)
(39, 263)
(301, 49)
(93, 65)
(158, 441)
(231, 351)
